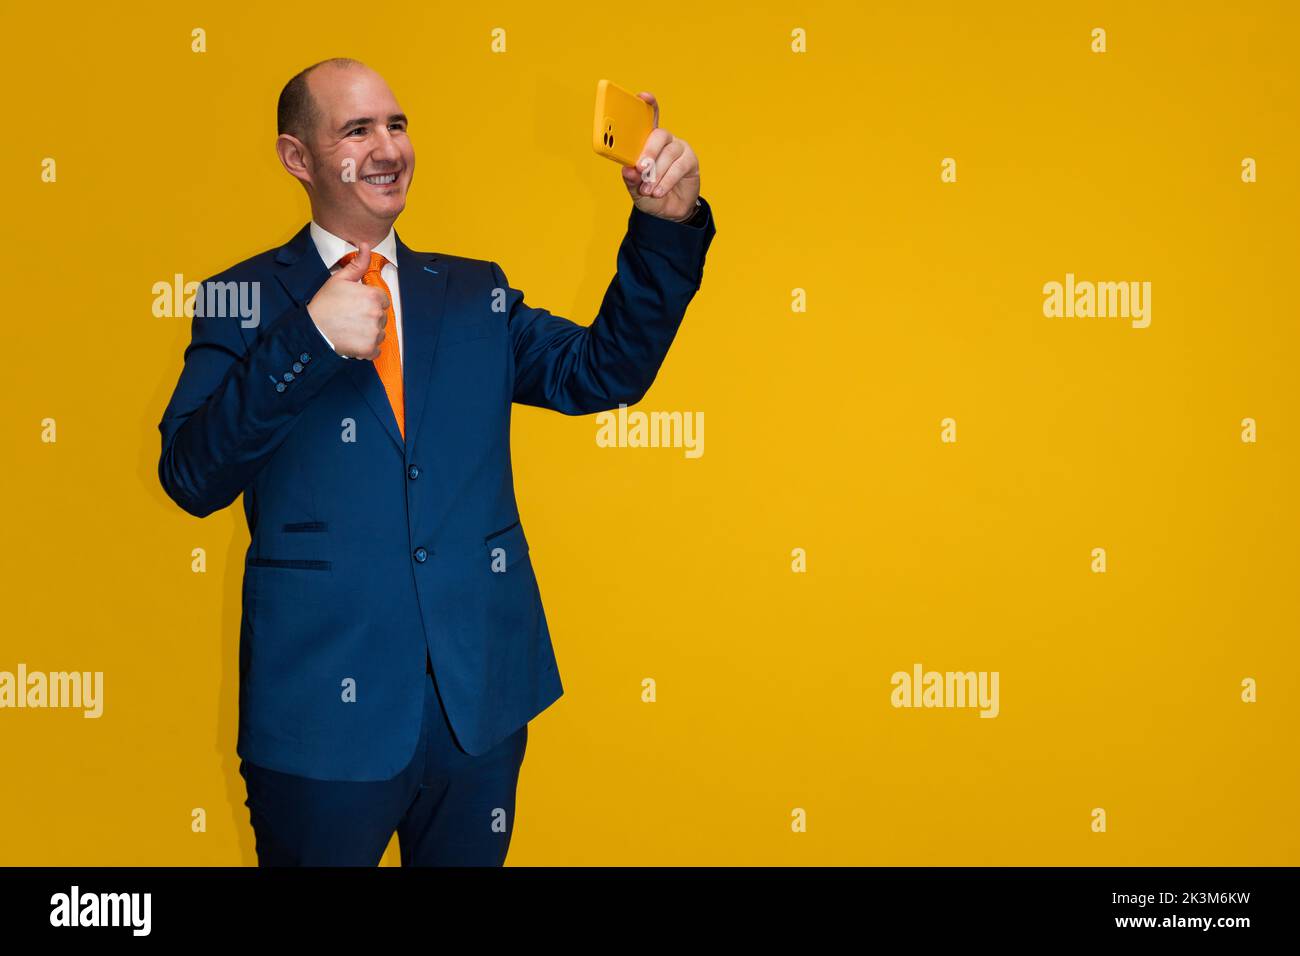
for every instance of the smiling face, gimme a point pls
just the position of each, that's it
(354, 157)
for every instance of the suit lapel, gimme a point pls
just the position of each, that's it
(371, 386)
(422, 278)
(302, 273)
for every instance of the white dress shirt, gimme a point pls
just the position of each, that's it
(332, 249)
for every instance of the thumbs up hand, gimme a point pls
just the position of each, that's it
(349, 313)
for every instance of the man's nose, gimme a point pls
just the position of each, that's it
(386, 148)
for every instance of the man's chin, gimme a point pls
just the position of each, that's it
(387, 210)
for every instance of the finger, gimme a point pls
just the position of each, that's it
(683, 165)
(654, 145)
(662, 163)
(633, 184)
(650, 98)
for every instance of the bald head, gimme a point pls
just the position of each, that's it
(298, 113)
(342, 134)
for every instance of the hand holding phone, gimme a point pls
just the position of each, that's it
(661, 171)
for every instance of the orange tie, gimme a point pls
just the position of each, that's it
(389, 363)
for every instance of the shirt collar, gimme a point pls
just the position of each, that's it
(332, 248)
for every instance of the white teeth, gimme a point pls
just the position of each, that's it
(380, 180)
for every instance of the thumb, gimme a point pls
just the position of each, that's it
(650, 98)
(354, 270)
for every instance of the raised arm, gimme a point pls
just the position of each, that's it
(578, 369)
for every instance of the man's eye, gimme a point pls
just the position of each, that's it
(356, 129)
(401, 126)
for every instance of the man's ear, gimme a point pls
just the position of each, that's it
(294, 157)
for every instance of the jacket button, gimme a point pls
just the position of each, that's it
(297, 366)
(421, 555)
(304, 358)
(288, 376)
(279, 386)
(413, 472)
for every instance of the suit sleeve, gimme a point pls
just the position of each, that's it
(234, 404)
(578, 370)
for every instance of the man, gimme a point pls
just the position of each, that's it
(393, 645)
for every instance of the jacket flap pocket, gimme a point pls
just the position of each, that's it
(511, 542)
(295, 564)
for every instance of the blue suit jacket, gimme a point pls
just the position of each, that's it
(365, 549)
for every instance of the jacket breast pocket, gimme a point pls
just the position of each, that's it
(462, 329)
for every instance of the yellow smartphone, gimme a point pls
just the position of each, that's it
(624, 122)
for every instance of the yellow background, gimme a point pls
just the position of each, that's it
(1118, 690)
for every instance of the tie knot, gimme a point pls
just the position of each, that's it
(377, 262)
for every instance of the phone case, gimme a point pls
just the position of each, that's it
(623, 123)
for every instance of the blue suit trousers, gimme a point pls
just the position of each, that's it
(449, 808)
